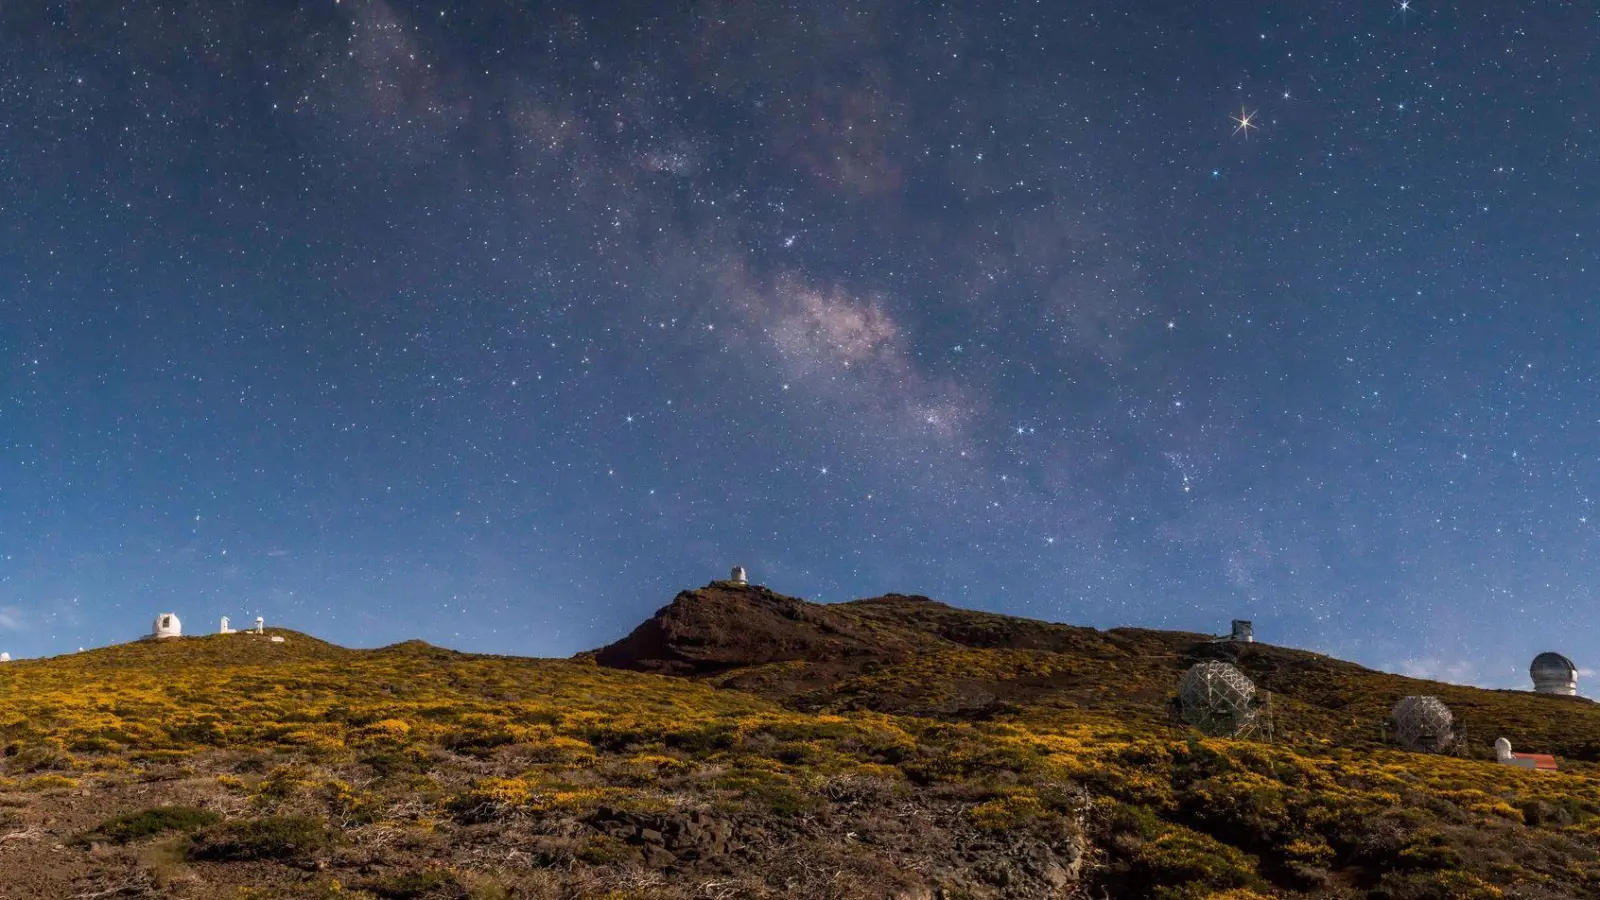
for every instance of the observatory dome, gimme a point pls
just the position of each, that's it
(1554, 674)
(167, 626)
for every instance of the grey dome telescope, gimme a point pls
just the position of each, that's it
(1554, 674)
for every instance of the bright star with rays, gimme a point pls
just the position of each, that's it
(1244, 121)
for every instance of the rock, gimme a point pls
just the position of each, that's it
(657, 858)
(689, 835)
(1056, 875)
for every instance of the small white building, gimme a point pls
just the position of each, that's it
(738, 576)
(167, 626)
(1504, 755)
(5, 657)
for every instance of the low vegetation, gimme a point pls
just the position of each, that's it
(146, 823)
(999, 759)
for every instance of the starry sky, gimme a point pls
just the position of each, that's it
(499, 323)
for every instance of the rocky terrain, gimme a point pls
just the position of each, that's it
(743, 744)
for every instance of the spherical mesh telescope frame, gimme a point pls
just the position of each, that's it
(1219, 700)
(1423, 725)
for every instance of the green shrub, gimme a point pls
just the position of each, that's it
(145, 823)
(1006, 813)
(50, 782)
(274, 837)
(776, 798)
(38, 759)
(1170, 862)
(388, 763)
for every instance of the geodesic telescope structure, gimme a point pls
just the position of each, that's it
(1423, 725)
(1220, 701)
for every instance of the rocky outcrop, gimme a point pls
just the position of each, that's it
(726, 625)
(664, 839)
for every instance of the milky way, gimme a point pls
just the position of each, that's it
(497, 324)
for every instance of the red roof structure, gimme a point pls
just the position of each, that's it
(1542, 761)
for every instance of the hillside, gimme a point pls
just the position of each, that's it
(912, 655)
(742, 744)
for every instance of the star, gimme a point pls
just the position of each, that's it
(1244, 121)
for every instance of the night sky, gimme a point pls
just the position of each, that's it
(497, 325)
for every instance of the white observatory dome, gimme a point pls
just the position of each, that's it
(5, 657)
(167, 626)
(1554, 674)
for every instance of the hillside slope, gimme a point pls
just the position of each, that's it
(911, 655)
(886, 748)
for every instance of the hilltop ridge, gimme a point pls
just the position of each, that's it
(727, 625)
(237, 648)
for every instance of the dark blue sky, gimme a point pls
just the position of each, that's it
(498, 324)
